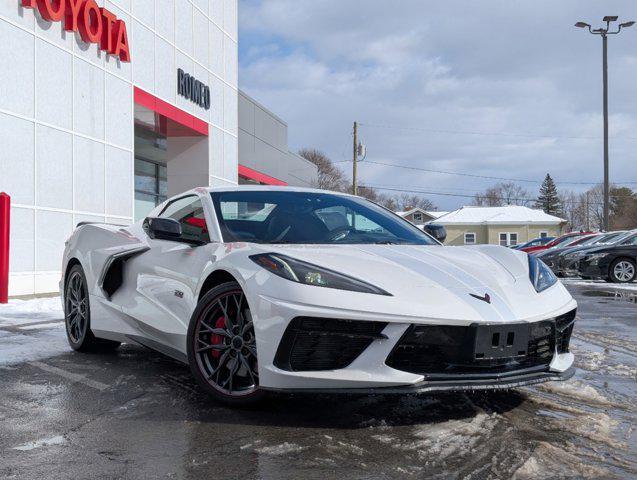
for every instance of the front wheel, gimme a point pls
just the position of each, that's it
(222, 350)
(622, 270)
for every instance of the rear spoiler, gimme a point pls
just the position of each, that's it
(99, 223)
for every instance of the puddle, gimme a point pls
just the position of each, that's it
(616, 295)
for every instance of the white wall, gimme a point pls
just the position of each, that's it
(66, 117)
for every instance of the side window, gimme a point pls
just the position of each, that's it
(469, 238)
(188, 211)
(630, 241)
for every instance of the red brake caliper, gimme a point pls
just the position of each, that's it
(217, 339)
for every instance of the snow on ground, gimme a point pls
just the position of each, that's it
(31, 330)
(18, 312)
(599, 283)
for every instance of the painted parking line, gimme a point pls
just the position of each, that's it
(74, 377)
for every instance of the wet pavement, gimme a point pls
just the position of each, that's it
(136, 414)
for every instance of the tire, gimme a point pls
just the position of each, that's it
(77, 315)
(622, 270)
(222, 347)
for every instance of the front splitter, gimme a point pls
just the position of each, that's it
(441, 385)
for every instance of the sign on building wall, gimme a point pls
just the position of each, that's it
(192, 89)
(95, 24)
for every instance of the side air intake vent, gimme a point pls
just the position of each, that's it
(311, 344)
(113, 272)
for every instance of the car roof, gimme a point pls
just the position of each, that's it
(264, 188)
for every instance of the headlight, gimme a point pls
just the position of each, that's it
(594, 258)
(574, 255)
(541, 276)
(308, 274)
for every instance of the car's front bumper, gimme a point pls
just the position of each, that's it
(497, 382)
(370, 369)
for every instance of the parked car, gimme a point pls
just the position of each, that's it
(613, 263)
(565, 263)
(533, 243)
(561, 240)
(287, 289)
(439, 232)
(550, 256)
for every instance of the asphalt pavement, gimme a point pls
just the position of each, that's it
(136, 414)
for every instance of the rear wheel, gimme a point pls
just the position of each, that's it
(622, 270)
(222, 350)
(77, 315)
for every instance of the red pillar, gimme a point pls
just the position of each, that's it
(5, 214)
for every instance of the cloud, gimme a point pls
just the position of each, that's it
(410, 71)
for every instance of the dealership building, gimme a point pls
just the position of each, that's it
(108, 107)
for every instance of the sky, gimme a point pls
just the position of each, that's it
(494, 88)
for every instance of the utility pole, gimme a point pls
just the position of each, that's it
(355, 160)
(606, 182)
(604, 32)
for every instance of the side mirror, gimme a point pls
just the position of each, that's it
(162, 228)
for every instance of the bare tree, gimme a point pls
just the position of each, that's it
(503, 193)
(574, 209)
(594, 201)
(330, 177)
(408, 201)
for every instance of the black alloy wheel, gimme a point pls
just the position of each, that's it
(222, 350)
(77, 315)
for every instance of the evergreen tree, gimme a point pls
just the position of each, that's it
(549, 200)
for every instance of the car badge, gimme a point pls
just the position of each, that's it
(486, 298)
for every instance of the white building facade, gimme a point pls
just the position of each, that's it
(86, 135)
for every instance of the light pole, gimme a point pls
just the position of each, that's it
(604, 32)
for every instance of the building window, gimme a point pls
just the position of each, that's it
(469, 238)
(150, 186)
(544, 234)
(417, 217)
(508, 239)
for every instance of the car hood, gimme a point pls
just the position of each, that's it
(418, 265)
(434, 282)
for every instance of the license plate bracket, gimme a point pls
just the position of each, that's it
(492, 342)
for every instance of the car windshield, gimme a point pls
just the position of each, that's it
(566, 241)
(609, 238)
(263, 216)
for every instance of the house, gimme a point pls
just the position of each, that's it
(418, 216)
(506, 226)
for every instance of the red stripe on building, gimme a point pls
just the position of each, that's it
(167, 110)
(260, 177)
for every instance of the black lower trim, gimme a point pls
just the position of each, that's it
(159, 347)
(441, 385)
(312, 344)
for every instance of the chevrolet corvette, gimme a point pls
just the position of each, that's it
(263, 289)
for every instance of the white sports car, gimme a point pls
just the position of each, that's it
(268, 288)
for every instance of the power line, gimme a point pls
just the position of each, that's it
(489, 134)
(489, 177)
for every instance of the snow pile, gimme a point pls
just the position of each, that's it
(19, 312)
(601, 283)
(436, 442)
(577, 390)
(549, 461)
(45, 442)
(282, 449)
